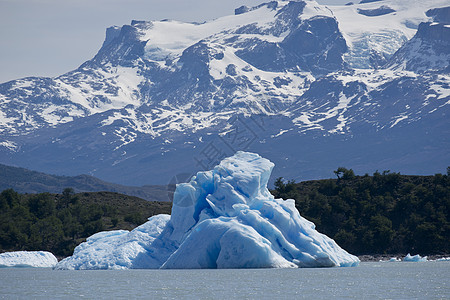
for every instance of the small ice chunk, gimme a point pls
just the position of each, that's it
(27, 259)
(394, 259)
(443, 259)
(415, 258)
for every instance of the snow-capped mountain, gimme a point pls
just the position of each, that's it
(428, 49)
(309, 86)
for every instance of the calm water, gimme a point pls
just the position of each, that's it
(429, 280)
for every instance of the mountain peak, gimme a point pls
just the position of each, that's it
(428, 49)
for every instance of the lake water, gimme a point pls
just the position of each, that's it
(430, 280)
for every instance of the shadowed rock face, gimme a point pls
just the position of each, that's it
(429, 49)
(368, 1)
(243, 9)
(316, 45)
(382, 10)
(440, 15)
(435, 33)
(122, 46)
(319, 42)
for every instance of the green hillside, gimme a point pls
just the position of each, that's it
(383, 213)
(59, 222)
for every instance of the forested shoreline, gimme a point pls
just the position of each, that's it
(59, 222)
(383, 213)
(379, 214)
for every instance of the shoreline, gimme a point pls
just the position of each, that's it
(365, 257)
(362, 258)
(386, 257)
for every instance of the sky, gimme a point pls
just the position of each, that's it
(52, 37)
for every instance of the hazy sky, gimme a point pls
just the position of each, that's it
(51, 37)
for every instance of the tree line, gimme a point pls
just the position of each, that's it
(383, 213)
(59, 222)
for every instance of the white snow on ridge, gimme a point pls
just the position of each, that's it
(81, 94)
(4, 119)
(161, 120)
(384, 34)
(54, 114)
(111, 88)
(9, 145)
(263, 81)
(441, 91)
(398, 119)
(311, 120)
(170, 38)
(313, 9)
(373, 79)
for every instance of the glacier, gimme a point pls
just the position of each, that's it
(222, 218)
(30, 259)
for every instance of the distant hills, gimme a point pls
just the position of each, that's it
(32, 182)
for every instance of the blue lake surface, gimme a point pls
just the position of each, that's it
(383, 280)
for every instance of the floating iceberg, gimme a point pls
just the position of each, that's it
(394, 259)
(415, 258)
(30, 259)
(223, 218)
(443, 259)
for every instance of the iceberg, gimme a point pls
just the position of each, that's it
(394, 259)
(222, 218)
(443, 259)
(30, 259)
(415, 258)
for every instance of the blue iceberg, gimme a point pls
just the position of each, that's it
(415, 258)
(394, 259)
(223, 218)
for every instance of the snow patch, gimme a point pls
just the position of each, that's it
(168, 39)
(9, 145)
(398, 119)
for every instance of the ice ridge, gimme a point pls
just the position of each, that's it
(222, 218)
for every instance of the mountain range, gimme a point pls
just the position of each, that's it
(311, 87)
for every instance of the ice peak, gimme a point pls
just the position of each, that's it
(222, 218)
